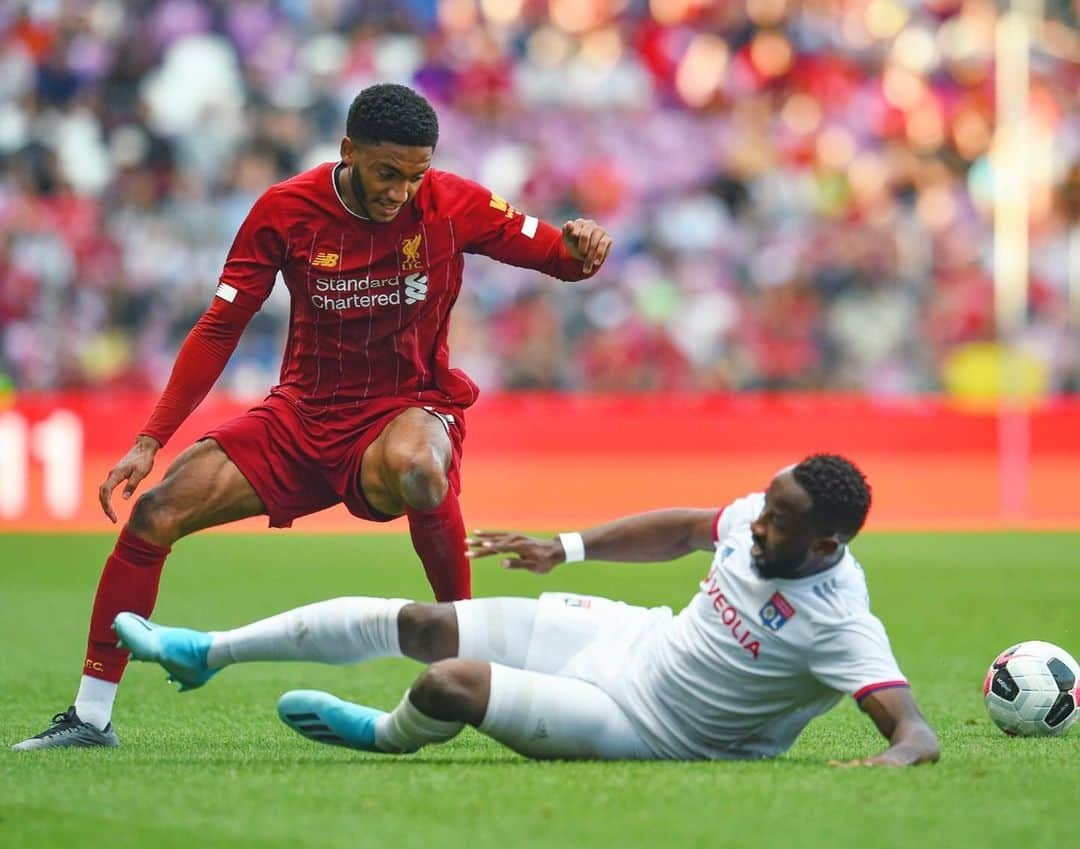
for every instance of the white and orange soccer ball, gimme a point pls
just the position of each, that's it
(1032, 689)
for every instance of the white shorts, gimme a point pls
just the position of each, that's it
(588, 637)
(578, 636)
(558, 666)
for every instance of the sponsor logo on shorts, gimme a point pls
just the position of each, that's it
(577, 601)
(325, 259)
(776, 612)
(410, 253)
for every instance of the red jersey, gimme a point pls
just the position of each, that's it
(371, 301)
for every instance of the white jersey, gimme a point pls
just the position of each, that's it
(751, 660)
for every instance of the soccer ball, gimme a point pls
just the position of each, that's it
(1033, 690)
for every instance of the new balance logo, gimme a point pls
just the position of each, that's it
(416, 286)
(324, 259)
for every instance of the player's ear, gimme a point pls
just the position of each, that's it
(347, 149)
(827, 545)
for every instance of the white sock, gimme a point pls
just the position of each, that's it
(342, 630)
(94, 701)
(405, 729)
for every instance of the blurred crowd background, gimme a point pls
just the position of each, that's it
(800, 190)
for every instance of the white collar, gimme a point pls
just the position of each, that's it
(337, 191)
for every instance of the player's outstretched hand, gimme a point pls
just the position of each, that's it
(586, 241)
(893, 756)
(133, 467)
(878, 760)
(536, 555)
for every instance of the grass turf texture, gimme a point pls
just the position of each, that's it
(216, 768)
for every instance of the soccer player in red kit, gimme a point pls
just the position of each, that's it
(368, 410)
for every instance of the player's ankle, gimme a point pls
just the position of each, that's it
(219, 655)
(94, 701)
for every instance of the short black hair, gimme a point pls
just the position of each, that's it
(387, 112)
(838, 491)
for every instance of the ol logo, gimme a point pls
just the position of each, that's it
(410, 253)
(776, 612)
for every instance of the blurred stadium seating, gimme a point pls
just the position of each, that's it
(800, 191)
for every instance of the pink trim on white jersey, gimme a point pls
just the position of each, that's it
(716, 525)
(863, 692)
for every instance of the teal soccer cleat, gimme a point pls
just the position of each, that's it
(180, 651)
(327, 719)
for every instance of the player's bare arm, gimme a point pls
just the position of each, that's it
(657, 536)
(200, 361)
(132, 467)
(587, 242)
(911, 739)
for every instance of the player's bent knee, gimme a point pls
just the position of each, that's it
(153, 519)
(428, 632)
(452, 690)
(422, 481)
(440, 685)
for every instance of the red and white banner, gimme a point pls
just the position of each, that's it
(559, 461)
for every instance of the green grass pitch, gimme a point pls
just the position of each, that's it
(216, 768)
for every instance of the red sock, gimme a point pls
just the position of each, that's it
(439, 538)
(129, 581)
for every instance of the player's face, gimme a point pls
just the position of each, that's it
(783, 534)
(384, 177)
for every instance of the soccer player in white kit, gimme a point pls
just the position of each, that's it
(778, 632)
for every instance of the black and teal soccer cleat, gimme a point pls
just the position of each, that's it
(68, 731)
(325, 718)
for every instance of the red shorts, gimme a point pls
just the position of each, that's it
(300, 462)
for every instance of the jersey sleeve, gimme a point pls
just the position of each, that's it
(855, 657)
(738, 514)
(198, 365)
(494, 228)
(256, 256)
